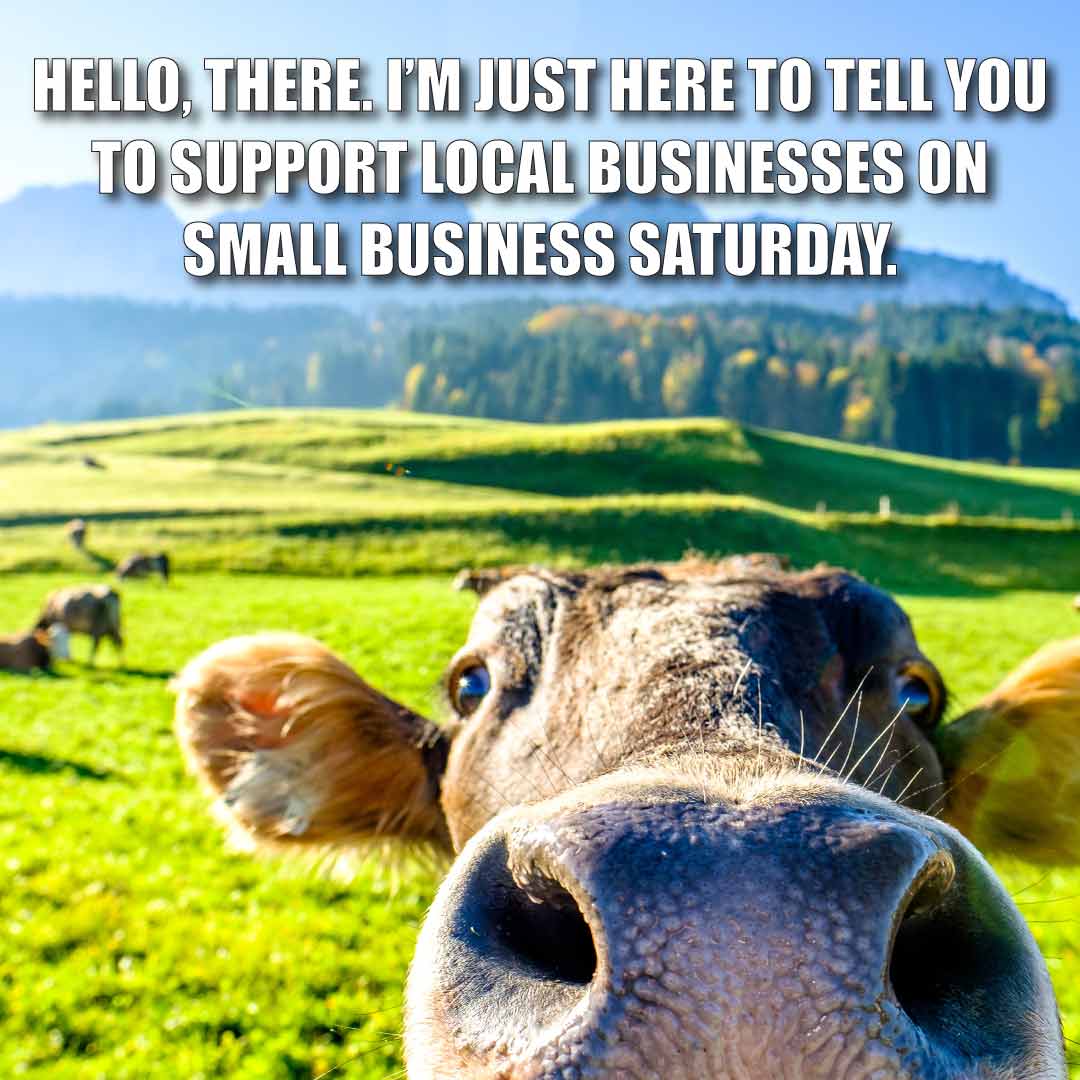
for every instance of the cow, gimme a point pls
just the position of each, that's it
(75, 530)
(481, 581)
(85, 609)
(701, 822)
(140, 566)
(36, 650)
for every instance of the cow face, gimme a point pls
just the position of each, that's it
(689, 811)
(58, 642)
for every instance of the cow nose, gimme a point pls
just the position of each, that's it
(673, 938)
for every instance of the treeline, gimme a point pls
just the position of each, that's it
(955, 382)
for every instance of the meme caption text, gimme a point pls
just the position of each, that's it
(343, 173)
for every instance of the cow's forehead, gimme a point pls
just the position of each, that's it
(859, 618)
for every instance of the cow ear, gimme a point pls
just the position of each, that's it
(1012, 764)
(480, 581)
(299, 751)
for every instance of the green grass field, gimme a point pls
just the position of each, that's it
(344, 493)
(131, 943)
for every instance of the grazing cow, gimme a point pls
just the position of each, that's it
(140, 566)
(691, 815)
(85, 609)
(92, 462)
(75, 530)
(38, 649)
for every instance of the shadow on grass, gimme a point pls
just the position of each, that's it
(104, 673)
(39, 519)
(946, 560)
(687, 458)
(852, 480)
(146, 673)
(102, 563)
(41, 764)
(796, 474)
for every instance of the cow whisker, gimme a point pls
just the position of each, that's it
(950, 787)
(389, 1041)
(931, 787)
(587, 723)
(854, 736)
(742, 675)
(757, 756)
(701, 737)
(840, 718)
(889, 730)
(881, 757)
(484, 780)
(907, 787)
(540, 793)
(613, 726)
(1034, 884)
(824, 767)
(895, 765)
(545, 756)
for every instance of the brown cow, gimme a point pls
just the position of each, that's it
(140, 566)
(483, 581)
(691, 818)
(85, 609)
(36, 650)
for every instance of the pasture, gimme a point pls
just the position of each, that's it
(134, 944)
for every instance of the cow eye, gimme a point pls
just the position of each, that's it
(470, 689)
(920, 696)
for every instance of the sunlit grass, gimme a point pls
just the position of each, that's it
(132, 945)
(344, 493)
(135, 946)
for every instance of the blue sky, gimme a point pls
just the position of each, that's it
(1030, 222)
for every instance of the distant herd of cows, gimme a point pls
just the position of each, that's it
(93, 610)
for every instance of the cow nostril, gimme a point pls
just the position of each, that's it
(954, 957)
(927, 952)
(511, 953)
(541, 925)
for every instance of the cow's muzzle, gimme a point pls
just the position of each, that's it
(812, 932)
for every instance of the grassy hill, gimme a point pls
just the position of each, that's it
(135, 946)
(350, 492)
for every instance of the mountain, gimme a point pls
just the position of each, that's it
(923, 278)
(76, 358)
(350, 210)
(72, 241)
(621, 211)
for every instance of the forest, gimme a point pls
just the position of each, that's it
(951, 381)
(955, 381)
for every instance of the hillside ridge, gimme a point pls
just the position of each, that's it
(345, 493)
